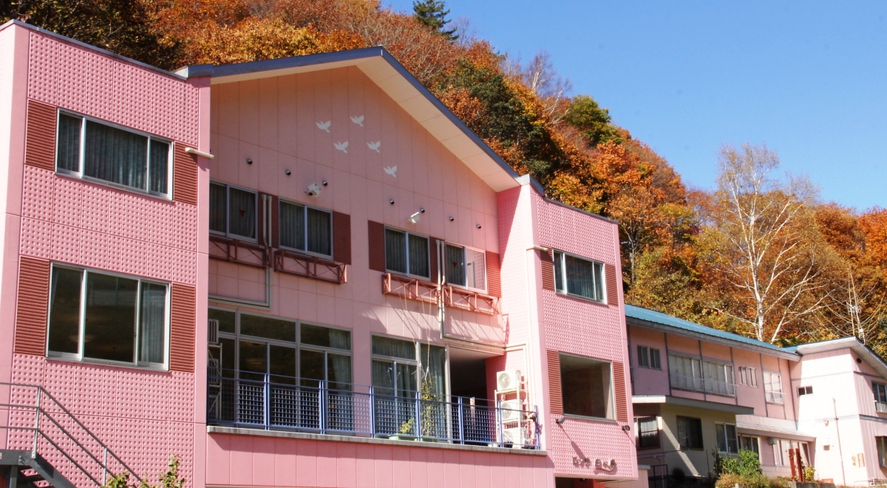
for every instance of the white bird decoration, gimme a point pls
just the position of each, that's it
(357, 119)
(325, 126)
(342, 146)
(374, 146)
(391, 170)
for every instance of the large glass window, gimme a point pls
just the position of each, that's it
(107, 317)
(586, 385)
(750, 443)
(88, 148)
(648, 357)
(685, 373)
(727, 441)
(464, 266)
(648, 432)
(576, 276)
(689, 433)
(306, 229)
(880, 392)
(233, 212)
(718, 378)
(406, 253)
(773, 387)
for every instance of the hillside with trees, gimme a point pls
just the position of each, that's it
(760, 255)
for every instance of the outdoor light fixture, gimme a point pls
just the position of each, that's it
(560, 420)
(313, 190)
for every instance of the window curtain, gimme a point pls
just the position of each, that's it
(395, 251)
(433, 359)
(158, 167)
(455, 265)
(339, 366)
(152, 315)
(292, 226)
(218, 208)
(242, 213)
(115, 155)
(69, 142)
(319, 232)
(580, 277)
(419, 256)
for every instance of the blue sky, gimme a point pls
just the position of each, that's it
(808, 79)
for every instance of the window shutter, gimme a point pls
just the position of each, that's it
(342, 237)
(494, 270)
(41, 138)
(33, 303)
(183, 309)
(184, 175)
(619, 392)
(376, 234)
(554, 383)
(547, 270)
(612, 294)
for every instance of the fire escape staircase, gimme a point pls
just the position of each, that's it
(52, 431)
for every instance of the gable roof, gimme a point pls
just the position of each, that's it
(402, 87)
(854, 344)
(666, 323)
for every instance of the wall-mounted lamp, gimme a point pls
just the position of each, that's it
(415, 217)
(313, 190)
(324, 183)
(452, 218)
(479, 226)
(560, 420)
(288, 172)
(249, 161)
(390, 201)
(626, 428)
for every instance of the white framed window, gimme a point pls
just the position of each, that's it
(233, 211)
(719, 378)
(882, 451)
(99, 316)
(648, 432)
(880, 392)
(748, 376)
(94, 150)
(464, 266)
(306, 229)
(805, 390)
(685, 373)
(577, 276)
(726, 436)
(773, 387)
(587, 386)
(750, 443)
(648, 357)
(406, 253)
(689, 432)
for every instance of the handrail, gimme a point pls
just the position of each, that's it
(39, 409)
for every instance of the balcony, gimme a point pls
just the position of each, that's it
(270, 402)
(703, 385)
(881, 407)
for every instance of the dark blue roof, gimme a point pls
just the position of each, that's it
(686, 327)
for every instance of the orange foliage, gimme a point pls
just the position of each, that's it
(874, 226)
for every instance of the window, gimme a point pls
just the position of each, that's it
(880, 391)
(748, 376)
(882, 451)
(306, 229)
(749, 443)
(685, 373)
(406, 253)
(464, 266)
(91, 149)
(726, 436)
(580, 277)
(586, 385)
(689, 433)
(99, 316)
(648, 432)
(718, 378)
(648, 357)
(233, 211)
(773, 387)
(805, 390)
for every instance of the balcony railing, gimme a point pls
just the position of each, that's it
(704, 385)
(773, 396)
(263, 401)
(881, 407)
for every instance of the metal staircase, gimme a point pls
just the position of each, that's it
(36, 428)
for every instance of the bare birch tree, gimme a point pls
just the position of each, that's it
(761, 243)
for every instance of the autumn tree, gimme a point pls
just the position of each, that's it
(592, 121)
(433, 15)
(760, 243)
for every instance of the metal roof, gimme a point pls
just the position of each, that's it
(666, 323)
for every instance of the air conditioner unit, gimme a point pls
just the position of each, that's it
(513, 436)
(508, 381)
(212, 331)
(512, 411)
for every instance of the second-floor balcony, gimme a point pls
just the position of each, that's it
(269, 402)
(704, 385)
(881, 407)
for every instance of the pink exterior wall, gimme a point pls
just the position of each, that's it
(144, 416)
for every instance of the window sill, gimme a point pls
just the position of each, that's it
(163, 197)
(585, 418)
(107, 363)
(582, 298)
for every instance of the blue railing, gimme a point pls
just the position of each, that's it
(282, 403)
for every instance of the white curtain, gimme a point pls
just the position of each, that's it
(115, 155)
(152, 346)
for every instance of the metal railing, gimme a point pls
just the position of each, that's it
(50, 430)
(272, 402)
(707, 385)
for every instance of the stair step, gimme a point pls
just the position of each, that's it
(42, 484)
(29, 473)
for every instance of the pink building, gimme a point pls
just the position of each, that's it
(698, 390)
(299, 272)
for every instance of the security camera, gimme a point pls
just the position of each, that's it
(313, 190)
